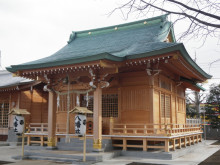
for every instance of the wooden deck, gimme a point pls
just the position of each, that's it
(144, 136)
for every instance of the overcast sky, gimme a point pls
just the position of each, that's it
(33, 29)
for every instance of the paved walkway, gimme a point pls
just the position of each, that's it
(201, 153)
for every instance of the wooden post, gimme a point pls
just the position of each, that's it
(151, 99)
(193, 139)
(42, 140)
(51, 120)
(67, 139)
(97, 119)
(167, 149)
(23, 139)
(124, 144)
(144, 144)
(111, 126)
(125, 129)
(166, 129)
(197, 139)
(180, 143)
(174, 144)
(84, 148)
(28, 140)
(189, 140)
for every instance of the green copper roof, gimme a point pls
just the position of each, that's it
(143, 38)
(193, 83)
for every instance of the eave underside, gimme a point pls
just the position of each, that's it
(172, 65)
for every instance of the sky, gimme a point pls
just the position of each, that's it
(33, 29)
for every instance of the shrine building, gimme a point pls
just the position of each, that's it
(132, 76)
(18, 92)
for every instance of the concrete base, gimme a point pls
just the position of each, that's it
(75, 157)
(4, 144)
(51, 148)
(161, 154)
(15, 143)
(98, 150)
(12, 137)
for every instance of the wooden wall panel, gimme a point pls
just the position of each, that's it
(173, 108)
(36, 103)
(157, 107)
(181, 118)
(134, 98)
(133, 79)
(133, 117)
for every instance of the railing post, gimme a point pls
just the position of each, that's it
(111, 127)
(145, 129)
(125, 129)
(42, 127)
(166, 129)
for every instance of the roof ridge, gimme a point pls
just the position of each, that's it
(143, 22)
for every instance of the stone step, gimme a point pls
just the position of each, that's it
(74, 144)
(77, 145)
(54, 159)
(68, 156)
(71, 148)
(76, 140)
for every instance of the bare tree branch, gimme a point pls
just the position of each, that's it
(202, 16)
(198, 11)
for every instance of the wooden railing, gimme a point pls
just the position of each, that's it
(61, 128)
(38, 128)
(153, 129)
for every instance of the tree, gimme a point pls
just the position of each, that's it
(190, 109)
(214, 96)
(196, 100)
(202, 16)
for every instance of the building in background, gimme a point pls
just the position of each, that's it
(20, 93)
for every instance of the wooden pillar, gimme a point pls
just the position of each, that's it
(185, 141)
(193, 139)
(144, 144)
(167, 145)
(97, 119)
(189, 140)
(180, 143)
(111, 126)
(124, 144)
(174, 144)
(51, 119)
(151, 98)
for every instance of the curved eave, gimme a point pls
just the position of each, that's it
(179, 47)
(103, 56)
(192, 85)
(107, 56)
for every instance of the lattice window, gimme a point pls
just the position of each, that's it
(180, 105)
(180, 91)
(165, 106)
(162, 106)
(4, 110)
(109, 105)
(62, 102)
(165, 84)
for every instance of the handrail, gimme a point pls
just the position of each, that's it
(38, 127)
(149, 128)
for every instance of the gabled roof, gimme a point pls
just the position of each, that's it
(7, 80)
(89, 45)
(145, 38)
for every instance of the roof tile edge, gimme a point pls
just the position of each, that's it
(144, 22)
